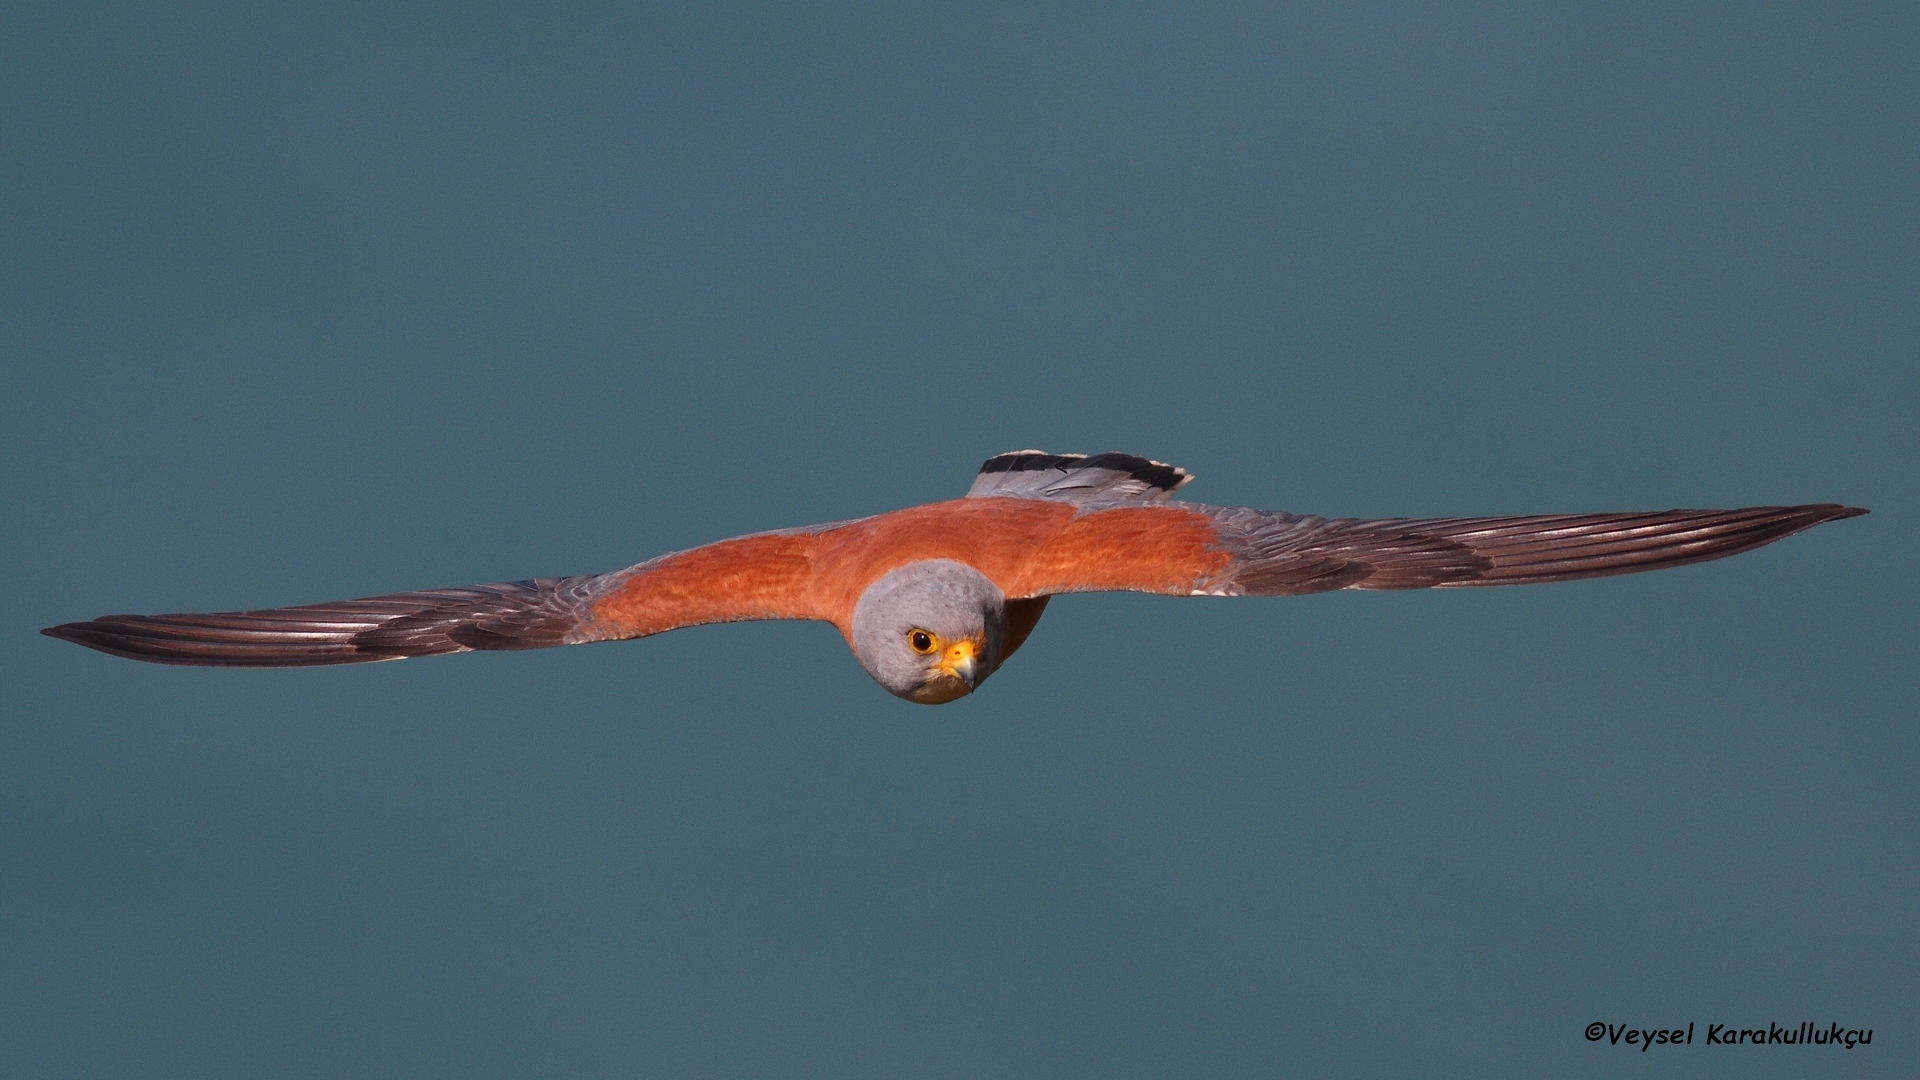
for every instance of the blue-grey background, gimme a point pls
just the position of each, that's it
(304, 302)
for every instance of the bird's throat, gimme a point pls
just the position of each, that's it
(939, 690)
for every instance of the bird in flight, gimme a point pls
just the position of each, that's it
(933, 599)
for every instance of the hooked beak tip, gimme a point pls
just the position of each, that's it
(963, 663)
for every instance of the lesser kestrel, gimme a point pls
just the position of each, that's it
(932, 599)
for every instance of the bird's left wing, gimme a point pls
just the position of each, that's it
(1192, 549)
(749, 577)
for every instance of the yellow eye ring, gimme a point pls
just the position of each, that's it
(921, 641)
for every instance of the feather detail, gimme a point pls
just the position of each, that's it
(1077, 478)
(512, 615)
(1286, 554)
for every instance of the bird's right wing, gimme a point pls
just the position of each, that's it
(1285, 554)
(1193, 549)
(749, 577)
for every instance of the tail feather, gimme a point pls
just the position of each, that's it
(1077, 478)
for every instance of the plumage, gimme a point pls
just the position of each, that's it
(1034, 525)
(1077, 478)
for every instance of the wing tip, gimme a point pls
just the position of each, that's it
(513, 615)
(142, 638)
(1811, 514)
(90, 633)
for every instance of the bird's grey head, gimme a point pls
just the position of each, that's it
(930, 631)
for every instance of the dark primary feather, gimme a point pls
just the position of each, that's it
(511, 615)
(1280, 554)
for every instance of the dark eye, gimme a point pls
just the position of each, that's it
(921, 641)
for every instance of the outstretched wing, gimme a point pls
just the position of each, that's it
(513, 615)
(1230, 551)
(750, 577)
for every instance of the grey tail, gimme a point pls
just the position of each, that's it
(1077, 478)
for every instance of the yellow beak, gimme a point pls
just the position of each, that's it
(960, 662)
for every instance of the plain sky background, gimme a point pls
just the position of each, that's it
(305, 302)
